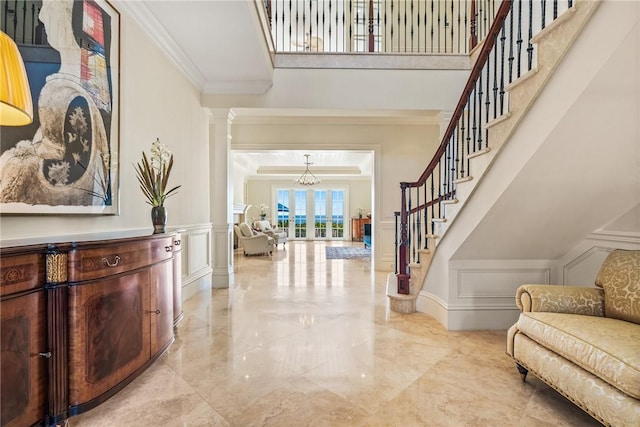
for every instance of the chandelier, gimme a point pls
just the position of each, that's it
(307, 178)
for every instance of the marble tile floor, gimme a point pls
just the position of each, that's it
(304, 341)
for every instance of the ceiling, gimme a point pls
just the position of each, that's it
(291, 163)
(218, 44)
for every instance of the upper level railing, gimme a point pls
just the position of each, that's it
(19, 19)
(506, 54)
(389, 26)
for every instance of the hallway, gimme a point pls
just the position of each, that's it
(301, 340)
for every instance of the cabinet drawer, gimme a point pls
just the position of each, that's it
(95, 263)
(20, 272)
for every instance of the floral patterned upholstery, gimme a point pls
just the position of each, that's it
(585, 342)
(620, 279)
(615, 359)
(560, 299)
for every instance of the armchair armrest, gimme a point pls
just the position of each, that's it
(561, 299)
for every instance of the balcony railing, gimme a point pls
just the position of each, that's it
(388, 26)
(19, 19)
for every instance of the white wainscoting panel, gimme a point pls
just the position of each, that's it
(385, 246)
(498, 283)
(582, 271)
(196, 266)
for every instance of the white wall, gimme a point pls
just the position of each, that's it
(157, 101)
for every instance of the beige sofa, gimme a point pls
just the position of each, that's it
(585, 342)
(253, 243)
(278, 235)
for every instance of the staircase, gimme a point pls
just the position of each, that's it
(440, 199)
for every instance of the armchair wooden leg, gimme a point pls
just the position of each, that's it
(523, 371)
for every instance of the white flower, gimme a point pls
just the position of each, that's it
(263, 209)
(160, 155)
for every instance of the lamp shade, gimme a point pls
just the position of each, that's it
(16, 107)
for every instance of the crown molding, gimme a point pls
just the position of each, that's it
(154, 29)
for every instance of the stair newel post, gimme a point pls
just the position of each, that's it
(403, 276)
(473, 39)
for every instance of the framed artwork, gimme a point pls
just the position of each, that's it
(66, 161)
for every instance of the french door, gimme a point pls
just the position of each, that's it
(311, 214)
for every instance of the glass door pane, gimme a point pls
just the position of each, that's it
(300, 222)
(337, 214)
(282, 200)
(320, 218)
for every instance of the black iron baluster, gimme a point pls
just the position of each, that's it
(555, 9)
(439, 44)
(467, 48)
(519, 40)
(495, 82)
(543, 11)
(432, 29)
(322, 33)
(344, 27)
(480, 93)
(380, 29)
(412, 20)
(317, 36)
(418, 224)
(351, 47)
(290, 28)
(433, 195)
(463, 138)
(459, 23)
(405, 26)
(455, 162)
(426, 29)
(425, 215)
(451, 29)
(391, 19)
(15, 19)
(445, 23)
(487, 101)
(24, 20)
(330, 22)
(503, 38)
(418, 17)
(399, 26)
(411, 229)
(511, 35)
(475, 126)
(570, 4)
(529, 44)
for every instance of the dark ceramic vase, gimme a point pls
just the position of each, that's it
(158, 218)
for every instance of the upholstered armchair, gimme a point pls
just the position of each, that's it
(253, 243)
(278, 235)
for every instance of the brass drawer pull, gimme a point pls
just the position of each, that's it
(150, 311)
(116, 260)
(168, 248)
(177, 242)
(46, 355)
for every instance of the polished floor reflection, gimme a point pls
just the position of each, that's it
(304, 341)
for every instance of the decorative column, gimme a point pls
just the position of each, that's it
(221, 201)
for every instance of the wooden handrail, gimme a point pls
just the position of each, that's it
(489, 42)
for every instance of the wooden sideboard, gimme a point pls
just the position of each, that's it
(357, 228)
(81, 320)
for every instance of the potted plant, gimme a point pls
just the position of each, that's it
(153, 175)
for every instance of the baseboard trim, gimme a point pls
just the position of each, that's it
(196, 285)
(466, 318)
